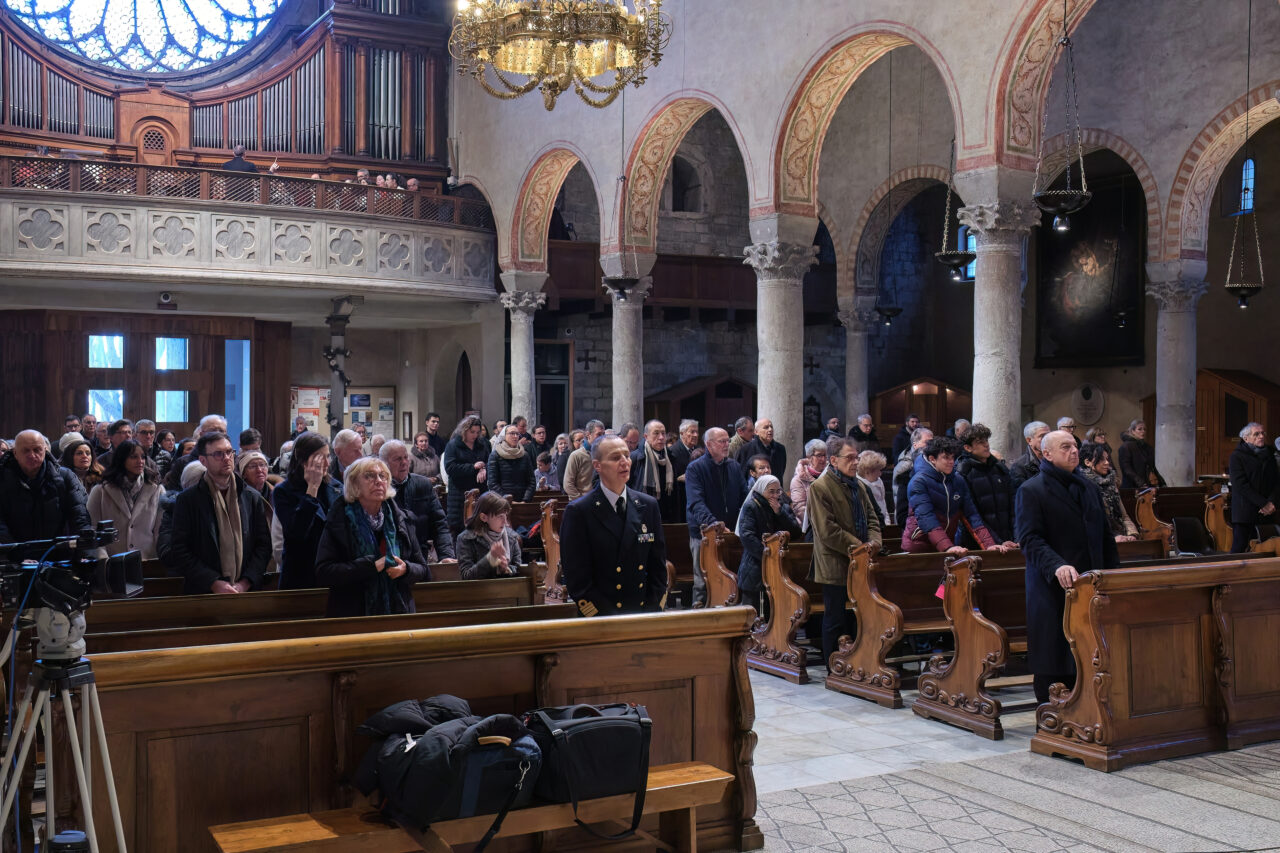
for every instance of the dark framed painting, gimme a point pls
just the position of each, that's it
(1089, 288)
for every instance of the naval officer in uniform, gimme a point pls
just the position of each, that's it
(612, 555)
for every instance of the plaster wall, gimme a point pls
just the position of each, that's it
(578, 205)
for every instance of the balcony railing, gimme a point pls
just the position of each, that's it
(135, 179)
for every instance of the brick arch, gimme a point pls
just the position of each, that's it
(647, 167)
(527, 247)
(1056, 154)
(1024, 80)
(872, 224)
(818, 95)
(1187, 218)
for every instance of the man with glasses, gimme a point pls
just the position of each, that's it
(716, 488)
(117, 433)
(157, 458)
(71, 424)
(1067, 424)
(221, 541)
(842, 516)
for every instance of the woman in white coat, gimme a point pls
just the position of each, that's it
(129, 495)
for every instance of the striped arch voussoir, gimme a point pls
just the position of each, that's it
(647, 169)
(534, 208)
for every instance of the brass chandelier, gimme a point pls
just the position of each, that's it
(512, 47)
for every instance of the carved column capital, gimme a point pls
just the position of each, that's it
(776, 260)
(1003, 216)
(858, 320)
(628, 290)
(1178, 294)
(523, 301)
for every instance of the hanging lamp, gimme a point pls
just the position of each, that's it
(1063, 202)
(888, 311)
(958, 258)
(1240, 285)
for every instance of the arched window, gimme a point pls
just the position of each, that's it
(1246, 186)
(686, 187)
(967, 242)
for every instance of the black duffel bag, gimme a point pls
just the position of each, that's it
(591, 751)
(433, 760)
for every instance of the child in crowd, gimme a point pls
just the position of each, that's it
(488, 548)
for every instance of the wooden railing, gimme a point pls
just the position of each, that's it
(135, 179)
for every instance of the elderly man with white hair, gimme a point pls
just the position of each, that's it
(417, 498)
(348, 446)
(38, 499)
(1027, 465)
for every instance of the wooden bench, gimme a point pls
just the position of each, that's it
(523, 513)
(675, 791)
(720, 554)
(678, 553)
(552, 589)
(793, 598)
(895, 596)
(193, 610)
(1217, 518)
(209, 735)
(1172, 660)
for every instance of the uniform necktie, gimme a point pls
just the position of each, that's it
(621, 507)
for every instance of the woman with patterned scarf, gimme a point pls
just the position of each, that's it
(1095, 464)
(369, 556)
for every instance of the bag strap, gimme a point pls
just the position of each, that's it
(646, 726)
(506, 807)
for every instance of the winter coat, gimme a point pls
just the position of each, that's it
(1255, 481)
(877, 500)
(473, 554)
(138, 528)
(425, 464)
(756, 521)
(940, 503)
(49, 505)
(831, 521)
(670, 505)
(681, 456)
(193, 540)
(801, 480)
(417, 497)
(578, 471)
(511, 476)
(901, 442)
(715, 493)
(991, 487)
(776, 453)
(1137, 462)
(1061, 522)
(338, 567)
(302, 519)
(1024, 468)
(459, 463)
(902, 474)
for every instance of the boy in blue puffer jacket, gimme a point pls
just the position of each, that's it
(940, 502)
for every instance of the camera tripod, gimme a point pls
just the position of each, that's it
(52, 678)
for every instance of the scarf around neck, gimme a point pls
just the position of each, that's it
(226, 512)
(652, 462)
(854, 489)
(376, 537)
(508, 452)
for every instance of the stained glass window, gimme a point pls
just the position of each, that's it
(153, 36)
(1246, 186)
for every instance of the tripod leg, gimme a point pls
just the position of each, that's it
(19, 725)
(86, 746)
(50, 758)
(101, 728)
(28, 734)
(74, 739)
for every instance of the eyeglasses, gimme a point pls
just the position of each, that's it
(146, 432)
(219, 454)
(845, 457)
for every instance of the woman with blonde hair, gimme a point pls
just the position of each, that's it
(369, 556)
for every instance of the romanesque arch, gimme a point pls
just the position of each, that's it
(526, 247)
(818, 95)
(872, 224)
(1095, 139)
(1024, 81)
(1187, 220)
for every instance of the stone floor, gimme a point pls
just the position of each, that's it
(835, 773)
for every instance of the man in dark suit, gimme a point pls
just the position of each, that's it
(764, 445)
(715, 488)
(237, 163)
(1255, 486)
(612, 555)
(1062, 527)
(682, 451)
(653, 473)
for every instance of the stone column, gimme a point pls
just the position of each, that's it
(857, 323)
(780, 269)
(628, 296)
(1176, 287)
(521, 304)
(1001, 230)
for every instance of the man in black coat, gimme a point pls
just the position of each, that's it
(714, 491)
(199, 548)
(990, 484)
(38, 499)
(764, 445)
(417, 497)
(902, 441)
(613, 558)
(1255, 486)
(1027, 465)
(653, 472)
(682, 451)
(237, 163)
(1062, 527)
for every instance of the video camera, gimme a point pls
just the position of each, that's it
(49, 584)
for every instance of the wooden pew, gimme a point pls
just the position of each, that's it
(895, 596)
(554, 590)
(720, 555)
(1172, 660)
(523, 513)
(678, 553)
(193, 610)
(985, 605)
(1217, 518)
(251, 731)
(792, 597)
(254, 632)
(1149, 526)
